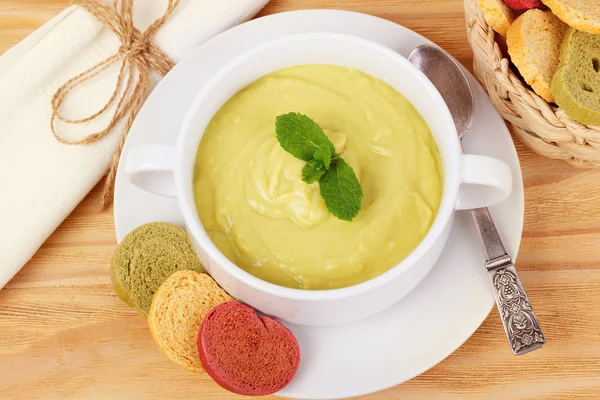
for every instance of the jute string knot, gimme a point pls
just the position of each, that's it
(138, 56)
(135, 49)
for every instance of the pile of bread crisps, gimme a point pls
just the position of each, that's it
(555, 45)
(195, 322)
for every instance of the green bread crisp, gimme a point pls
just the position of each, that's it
(576, 82)
(146, 258)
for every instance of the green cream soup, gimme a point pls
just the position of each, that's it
(255, 207)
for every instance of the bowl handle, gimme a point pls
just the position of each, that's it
(150, 168)
(484, 181)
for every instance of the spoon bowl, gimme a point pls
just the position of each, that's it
(450, 80)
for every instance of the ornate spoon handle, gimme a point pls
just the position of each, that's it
(520, 323)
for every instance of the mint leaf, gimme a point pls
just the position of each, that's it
(341, 191)
(304, 139)
(301, 136)
(324, 155)
(313, 171)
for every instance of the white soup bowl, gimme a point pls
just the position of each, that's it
(470, 181)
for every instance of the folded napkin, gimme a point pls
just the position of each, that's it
(42, 180)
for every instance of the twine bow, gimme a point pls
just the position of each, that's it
(137, 54)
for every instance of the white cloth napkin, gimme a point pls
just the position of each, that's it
(42, 180)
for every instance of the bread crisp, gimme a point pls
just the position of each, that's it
(576, 83)
(146, 258)
(534, 42)
(497, 14)
(523, 5)
(177, 312)
(247, 354)
(583, 15)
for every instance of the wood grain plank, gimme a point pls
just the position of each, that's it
(64, 334)
(439, 20)
(80, 340)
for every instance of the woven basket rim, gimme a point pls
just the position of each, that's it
(544, 127)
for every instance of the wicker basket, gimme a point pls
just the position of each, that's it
(543, 127)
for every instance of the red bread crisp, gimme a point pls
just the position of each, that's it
(523, 5)
(247, 354)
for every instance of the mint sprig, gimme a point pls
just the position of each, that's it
(301, 136)
(313, 171)
(341, 191)
(324, 154)
(304, 139)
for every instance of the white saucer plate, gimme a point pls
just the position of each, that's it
(428, 324)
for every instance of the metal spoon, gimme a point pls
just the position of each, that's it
(520, 323)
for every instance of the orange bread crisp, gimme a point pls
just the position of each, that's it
(178, 309)
(583, 15)
(534, 41)
(497, 14)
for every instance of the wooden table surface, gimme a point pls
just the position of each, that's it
(63, 334)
